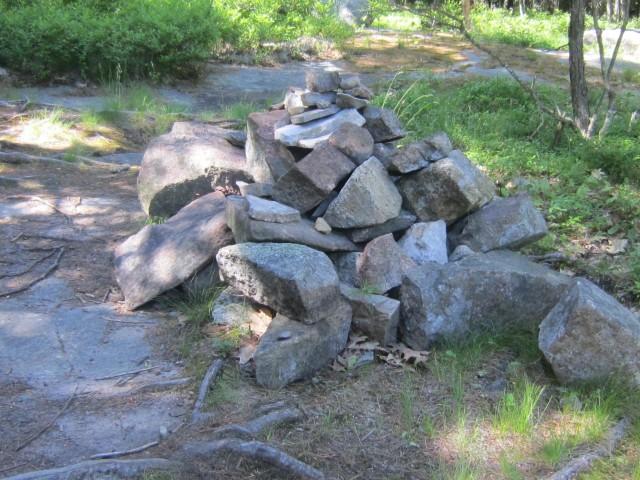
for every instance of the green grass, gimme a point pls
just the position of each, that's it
(516, 411)
(398, 21)
(555, 451)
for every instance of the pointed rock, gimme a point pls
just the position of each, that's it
(383, 264)
(355, 142)
(267, 159)
(383, 124)
(376, 316)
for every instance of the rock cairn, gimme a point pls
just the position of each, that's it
(330, 226)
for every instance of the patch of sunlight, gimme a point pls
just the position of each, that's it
(399, 21)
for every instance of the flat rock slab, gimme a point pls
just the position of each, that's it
(403, 221)
(267, 159)
(247, 230)
(294, 280)
(383, 264)
(270, 211)
(179, 167)
(160, 257)
(426, 242)
(320, 100)
(293, 135)
(447, 189)
(376, 316)
(344, 100)
(291, 351)
(310, 115)
(589, 336)
(509, 223)
(368, 198)
(495, 291)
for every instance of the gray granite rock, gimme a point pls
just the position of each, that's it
(495, 291)
(589, 336)
(441, 142)
(293, 103)
(161, 257)
(383, 264)
(322, 226)
(313, 178)
(344, 100)
(267, 159)
(460, 252)
(179, 167)
(294, 280)
(256, 189)
(322, 81)
(414, 156)
(349, 80)
(403, 221)
(426, 242)
(293, 135)
(384, 152)
(447, 189)
(320, 100)
(247, 230)
(355, 142)
(346, 266)
(383, 124)
(291, 351)
(310, 115)
(368, 198)
(360, 91)
(510, 223)
(270, 211)
(376, 316)
(233, 309)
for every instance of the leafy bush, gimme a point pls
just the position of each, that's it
(100, 39)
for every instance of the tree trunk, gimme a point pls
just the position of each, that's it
(579, 89)
(522, 7)
(610, 10)
(466, 13)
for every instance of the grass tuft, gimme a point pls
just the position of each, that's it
(516, 411)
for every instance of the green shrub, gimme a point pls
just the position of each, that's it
(106, 40)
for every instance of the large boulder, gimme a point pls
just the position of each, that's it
(267, 159)
(291, 351)
(376, 316)
(589, 336)
(245, 229)
(368, 198)
(186, 163)
(294, 280)
(503, 223)
(382, 264)
(495, 291)
(313, 178)
(312, 133)
(161, 257)
(447, 189)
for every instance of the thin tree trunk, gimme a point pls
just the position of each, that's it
(466, 13)
(578, 81)
(522, 7)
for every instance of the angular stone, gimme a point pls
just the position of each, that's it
(313, 178)
(161, 257)
(368, 198)
(384, 152)
(589, 336)
(311, 143)
(292, 279)
(349, 80)
(495, 291)
(383, 124)
(460, 252)
(503, 223)
(376, 316)
(322, 226)
(322, 207)
(270, 211)
(346, 266)
(233, 309)
(247, 230)
(322, 81)
(411, 158)
(360, 91)
(256, 189)
(178, 168)
(268, 159)
(344, 100)
(291, 351)
(293, 135)
(426, 242)
(320, 100)
(447, 189)
(403, 221)
(293, 101)
(235, 137)
(310, 115)
(383, 264)
(441, 142)
(355, 142)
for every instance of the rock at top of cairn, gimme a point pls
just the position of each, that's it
(322, 81)
(300, 135)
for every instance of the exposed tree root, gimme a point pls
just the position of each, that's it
(122, 453)
(254, 427)
(18, 158)
(161, 386)
(209, 377)
(257, 451)
(32, 266)
(100, 469)
(584, 462)
(39, 278)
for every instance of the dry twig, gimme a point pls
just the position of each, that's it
(131, 372)
(122, 453)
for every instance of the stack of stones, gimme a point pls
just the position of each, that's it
(333, 227)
